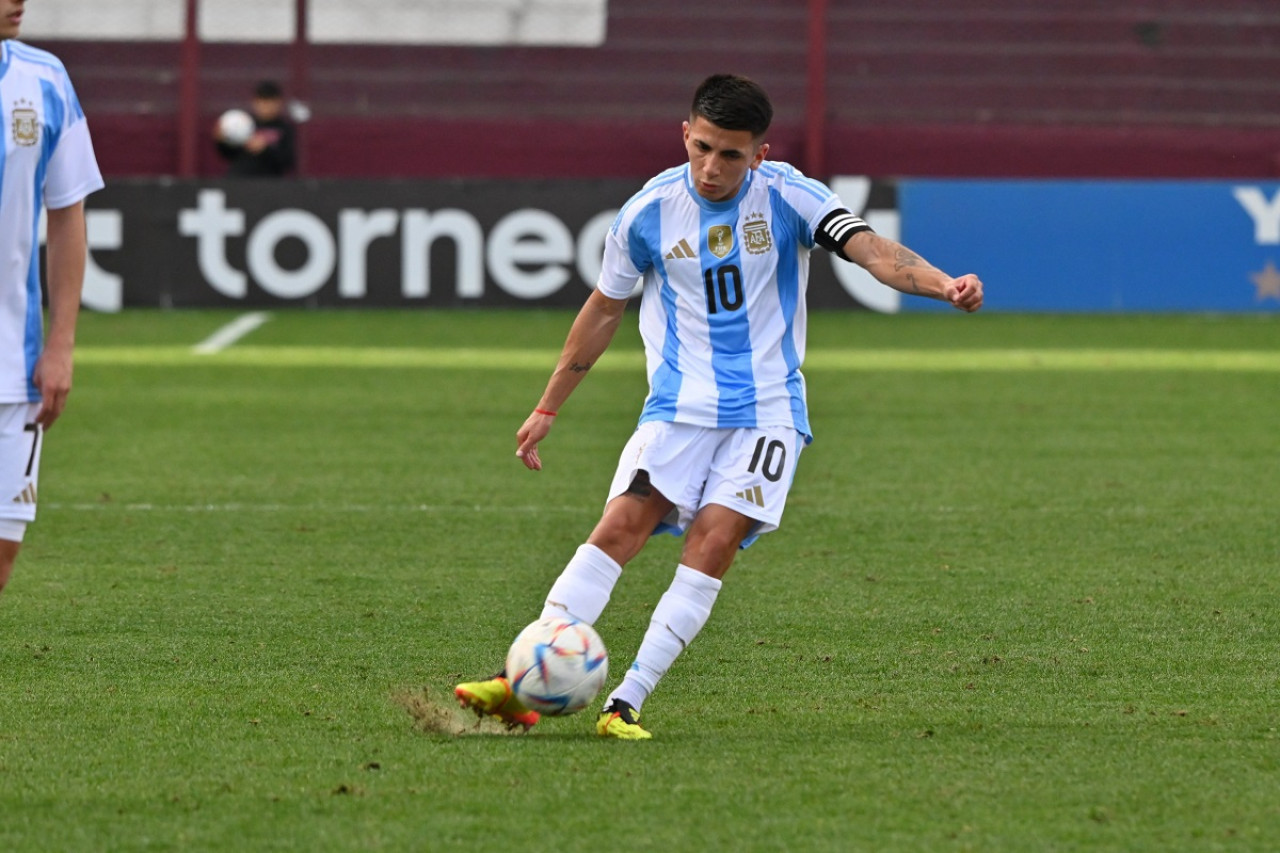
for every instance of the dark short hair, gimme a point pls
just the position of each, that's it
(733, 103)
(267, 89)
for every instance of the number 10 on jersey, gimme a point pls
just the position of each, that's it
(724, 288)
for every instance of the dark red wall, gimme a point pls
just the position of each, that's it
(1040, 88)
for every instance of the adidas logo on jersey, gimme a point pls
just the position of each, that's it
(680, 250)
(28, 495)
(752, 495)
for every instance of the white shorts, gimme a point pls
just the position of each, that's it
(745, 469)
(21, 439)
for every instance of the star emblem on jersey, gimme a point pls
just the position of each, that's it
(720, 240)
(26, 123)
(756, 234)
(751, 495)
(680, 250)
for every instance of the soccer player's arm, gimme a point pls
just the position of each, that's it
(65, 263)
(71, 174)
(588, 338)
(893, 264)
(592, 331)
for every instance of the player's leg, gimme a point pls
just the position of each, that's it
(634, 509)
(8, 555)
(715, 538)
(583, 589)
(20, 443)
(712, 543)
(746, 491)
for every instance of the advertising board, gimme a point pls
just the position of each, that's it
(1095, 246)
(1066, 246)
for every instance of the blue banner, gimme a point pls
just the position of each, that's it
(1101, 245)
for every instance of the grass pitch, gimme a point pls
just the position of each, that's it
(1024, 597)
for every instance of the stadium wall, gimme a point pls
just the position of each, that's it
(989, 88)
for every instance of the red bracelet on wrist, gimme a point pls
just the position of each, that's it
(544, 412)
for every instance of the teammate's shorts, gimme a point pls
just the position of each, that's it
(20, 443)
(745, 469)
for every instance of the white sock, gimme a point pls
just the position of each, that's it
(584, 587)
(677, 619)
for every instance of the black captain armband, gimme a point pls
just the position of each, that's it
(836, 228)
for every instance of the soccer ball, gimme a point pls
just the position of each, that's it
(557, 666)
(235, 127)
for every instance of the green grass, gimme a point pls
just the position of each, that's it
(1023, 597)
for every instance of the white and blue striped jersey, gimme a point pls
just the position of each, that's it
(47, 161)
(723, 309)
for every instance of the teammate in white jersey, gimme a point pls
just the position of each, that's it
(722, 248)
(46, 163)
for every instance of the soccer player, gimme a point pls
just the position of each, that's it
(47, 162)
(722, 246)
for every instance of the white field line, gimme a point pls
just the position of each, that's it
(475, 358)
(230, 333)
(1138, 511)
(316, 508)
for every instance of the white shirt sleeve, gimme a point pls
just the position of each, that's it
(813, 209)
(618, 273)
(73, 169)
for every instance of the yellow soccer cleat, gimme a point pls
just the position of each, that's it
(619, 720)
(493, 698)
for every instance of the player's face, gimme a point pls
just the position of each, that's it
(719, 158)
(11, 18)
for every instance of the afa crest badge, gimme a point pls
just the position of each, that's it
(756, 234)
(26, 123)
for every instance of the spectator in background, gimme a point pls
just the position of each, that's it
(269, 152)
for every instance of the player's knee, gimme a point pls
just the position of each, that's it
(723, 538)
(625, 527)
(711, 553)
(619, 542)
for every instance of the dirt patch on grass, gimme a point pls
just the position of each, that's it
(439, 715)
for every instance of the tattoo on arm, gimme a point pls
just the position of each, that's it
(907, 258)
(915, 285)
(580, 366)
